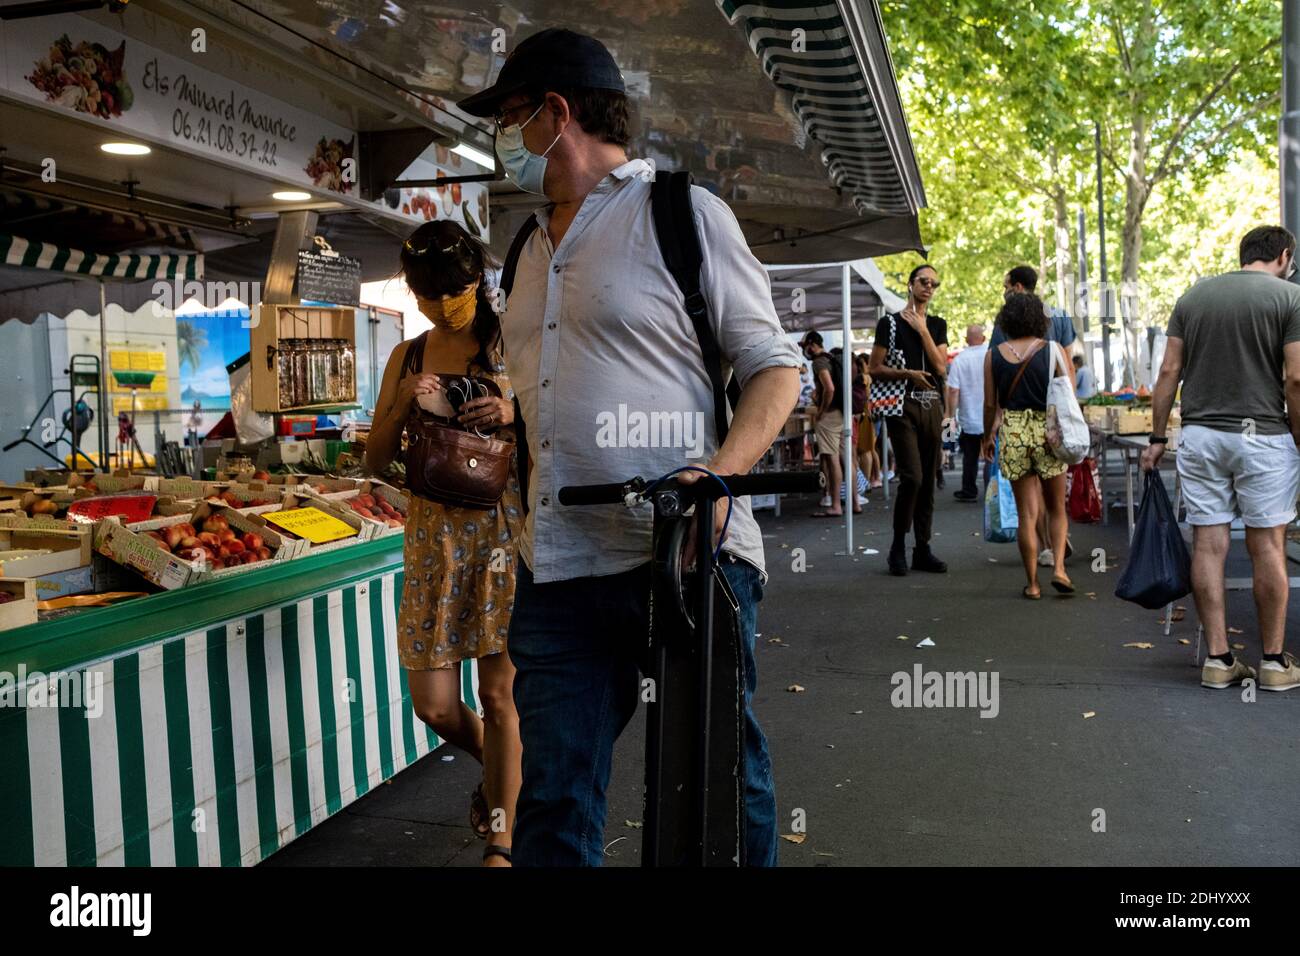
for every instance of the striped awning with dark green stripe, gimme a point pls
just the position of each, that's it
(31, 254)
(833, 60)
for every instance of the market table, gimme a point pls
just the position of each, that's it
(236, 715)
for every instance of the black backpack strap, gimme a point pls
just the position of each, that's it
(679, 244)
(505, 285)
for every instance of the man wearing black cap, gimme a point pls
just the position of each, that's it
(595, 327)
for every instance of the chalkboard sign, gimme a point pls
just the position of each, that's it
(328, 278)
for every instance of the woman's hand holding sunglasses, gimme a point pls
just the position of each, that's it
(487, 412)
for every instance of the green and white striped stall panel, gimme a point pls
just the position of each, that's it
(829, 94)
(31, 254)
(217, 748)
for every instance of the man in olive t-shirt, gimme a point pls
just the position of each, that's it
(1234, 342)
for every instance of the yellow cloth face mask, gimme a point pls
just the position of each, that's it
(455, 311)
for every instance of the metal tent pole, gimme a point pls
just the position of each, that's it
(846, 401)
(106, 401)
(1289, 159)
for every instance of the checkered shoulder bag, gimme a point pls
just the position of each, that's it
(886, 398)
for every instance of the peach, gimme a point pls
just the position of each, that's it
(252, 541)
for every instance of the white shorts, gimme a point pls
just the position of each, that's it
(1229, 474)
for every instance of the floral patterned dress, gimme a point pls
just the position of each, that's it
(459, 583)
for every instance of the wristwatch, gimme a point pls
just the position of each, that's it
(1154, 439)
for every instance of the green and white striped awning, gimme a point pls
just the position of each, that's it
(840, 78)
(49, 257)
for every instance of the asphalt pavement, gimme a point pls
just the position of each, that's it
(1098, 753)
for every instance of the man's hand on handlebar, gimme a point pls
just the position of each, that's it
(719, 512)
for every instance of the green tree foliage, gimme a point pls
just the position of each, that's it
(1002, 97)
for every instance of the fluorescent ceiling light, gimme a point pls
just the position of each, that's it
(291, 195)
(126, 149)
(474, 155)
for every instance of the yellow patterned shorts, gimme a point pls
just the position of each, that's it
(1023, 448)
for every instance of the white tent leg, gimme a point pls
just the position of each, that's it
(106, 403)
(846, 401)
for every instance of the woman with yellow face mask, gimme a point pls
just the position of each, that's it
(459, 580)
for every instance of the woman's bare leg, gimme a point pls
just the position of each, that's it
(435, 695)
(502, 749)
(1029, 502)
(1058, 522)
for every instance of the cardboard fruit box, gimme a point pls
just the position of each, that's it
(48, 501)
(34, 551)
(186, 488)
(331, 487)
(21, 519)
(361, 529)
(17, 602)
(378, 503)
(1131, 421)
(1097, 415)
(143, 546)
(258, 497)
(102, 484)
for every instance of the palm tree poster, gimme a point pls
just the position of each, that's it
(205, 344)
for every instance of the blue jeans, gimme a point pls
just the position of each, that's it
(574, 645)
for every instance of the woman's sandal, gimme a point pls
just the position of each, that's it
(493, 850)
(1063, 585)
(1033, 597)
(478, 813)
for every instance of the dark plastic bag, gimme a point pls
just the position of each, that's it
(1159, 568)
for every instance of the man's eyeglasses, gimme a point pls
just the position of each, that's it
(503, 118)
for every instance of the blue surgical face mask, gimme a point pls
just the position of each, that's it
(525, 168)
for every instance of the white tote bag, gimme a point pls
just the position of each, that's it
(1067, 430)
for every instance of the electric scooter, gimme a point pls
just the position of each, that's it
(695, 745)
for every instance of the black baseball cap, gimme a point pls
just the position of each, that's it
(552, 58)
(811, 337)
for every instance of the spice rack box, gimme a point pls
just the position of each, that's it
(303, 357)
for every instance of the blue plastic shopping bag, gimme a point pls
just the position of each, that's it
(1159, 569)
(1000, 516)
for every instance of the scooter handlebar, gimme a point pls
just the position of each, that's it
(740, 486)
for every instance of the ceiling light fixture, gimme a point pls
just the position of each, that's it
(126, 149)
(291, 195)
(474, 155)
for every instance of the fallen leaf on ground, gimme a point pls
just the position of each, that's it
(926, 643)
(1140, 644)
(993, 560)
(857, 712)
(795, 689)
(1238, 647)
(830, 746)
(1183, 640)
(820, 853)
(1235, 630)
(775, 640)
(1089, 713)
(988, 660)
(634, 824)
(903, 637)
(794, 837)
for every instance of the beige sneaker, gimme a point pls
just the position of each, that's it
(1219, 675)
(1273, 676)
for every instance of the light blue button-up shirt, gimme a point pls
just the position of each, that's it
(608, 371)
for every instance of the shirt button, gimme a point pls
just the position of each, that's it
(555, 268)
(545, 382)
(546, 443)
(551, 326)
(546, 501)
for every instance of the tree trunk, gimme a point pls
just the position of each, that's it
(1065, 271)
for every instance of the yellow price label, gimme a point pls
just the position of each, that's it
(159, 384)
(119, 359)
(140, 361)
(311, 523)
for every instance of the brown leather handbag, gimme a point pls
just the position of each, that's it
(447, 463)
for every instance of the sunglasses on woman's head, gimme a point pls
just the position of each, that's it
(421, 250)
(928, 283)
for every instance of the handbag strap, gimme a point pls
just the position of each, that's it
(1024, 366)
(413, 361)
